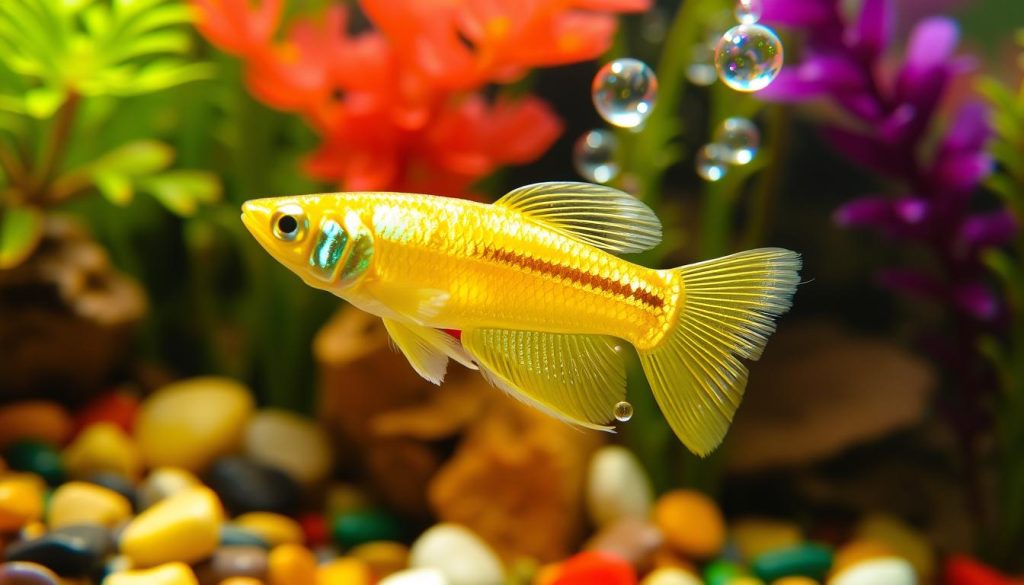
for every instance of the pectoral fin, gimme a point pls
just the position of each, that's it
(576, 378)
(427, 349)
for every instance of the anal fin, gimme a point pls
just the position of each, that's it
(576, 378)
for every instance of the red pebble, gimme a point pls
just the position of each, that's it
(595, 567)
(314, 527)
(118, 407)
(964, 570)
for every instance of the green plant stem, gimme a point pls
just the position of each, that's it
(54, 148)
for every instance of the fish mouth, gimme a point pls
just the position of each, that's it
(256, 219)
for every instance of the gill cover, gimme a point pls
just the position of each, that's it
(342, 251)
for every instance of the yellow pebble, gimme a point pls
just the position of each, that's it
(754, 536)
(32, 531)
(103, 447)
(547, 574)
(902, 540)
(244, 581)
(691, 523)
(857, 551)
(184, 527)
(274, 528)
(164, 482)
(671, 576)
(343, 571)
(78, 502)
(168, 574)
(291, 564)
(745, 580)
(383, 557)
(190, 423)
(21, 500)
(795, 581)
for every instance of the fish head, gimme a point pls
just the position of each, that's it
(324, 243)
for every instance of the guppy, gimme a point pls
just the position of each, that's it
(542, 301)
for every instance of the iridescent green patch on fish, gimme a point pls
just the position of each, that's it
(329, 249)
(359, 259)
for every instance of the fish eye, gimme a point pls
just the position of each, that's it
(289, 223)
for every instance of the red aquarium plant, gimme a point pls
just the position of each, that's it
(398, 106)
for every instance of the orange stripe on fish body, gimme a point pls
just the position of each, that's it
(542, 300)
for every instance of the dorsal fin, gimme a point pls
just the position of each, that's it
(600, 216)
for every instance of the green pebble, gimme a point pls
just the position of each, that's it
(806, 560)
(362, 526)
(38, 458)
(720, 572)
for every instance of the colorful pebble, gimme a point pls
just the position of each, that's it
(74, 551)
(237, 561)
(315, 529)
(617, 486)
(691, 523)
(291, 564)
(362, 526)
(40, 420)
(383, 557)
(670, 576)
(294, 444)
(344, 571)
(795, 581)
(460, 555)
(119, 407)
(21, 501)
(184, 527)
(166, 574)
(890, 571)
(79, 502)
(806, 560)
(964, 570)
(19, 573)
(859, 550)
(274, 528)
(162, 483)
(232, 535)
(632, 539)
(101, 447)
(190, 423)
(36, 457)
(902, 540)
(588, 568)
(245, 485)
(416, 577)
(721, 572)
(241, 581)
(755, 536)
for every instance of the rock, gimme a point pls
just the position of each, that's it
(21, 501)
(754, 536)
(383, 557)
(857, 551)
(79, 502)
(162, 483)
(291, 564)
(38, 420)
(275, 529)
(670, 576)
(891, 571)
(617, 486)
(27, 574)
(292, 443)
(103, 447)
(235, 561)
(806, 560)
(721, 572)
(184, 527)
(166, 574)
(115, 482)
(344, 571)
(119, 407)
(245, 485)
(416, 577)
(589, 568)
(902, 540)
(190, 423)
(38, 458)
(459, 554)
(691, 523)
(315, 529)
(232, 535)
(632, 539)
(362, 526)
(73, 551)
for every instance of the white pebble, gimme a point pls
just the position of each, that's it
(889, 570)
(461, 556)
(416, 577)
(670, 576)
(617, 487)
(294, 444)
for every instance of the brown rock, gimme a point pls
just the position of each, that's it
(66, 317)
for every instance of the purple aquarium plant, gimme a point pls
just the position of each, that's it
(895, 119)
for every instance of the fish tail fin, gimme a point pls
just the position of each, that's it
(725, 312)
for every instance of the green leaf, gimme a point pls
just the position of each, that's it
(115, 188)
(182, 191)
(43, 102)
(169, 41)
(161, 75)
(21, 228)
(135, 159)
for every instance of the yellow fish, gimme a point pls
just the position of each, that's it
(542, 302)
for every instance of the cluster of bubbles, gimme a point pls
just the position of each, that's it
(746, 58)
(624, 92)
(734, 143)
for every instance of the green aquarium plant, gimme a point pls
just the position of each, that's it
(66, 66)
